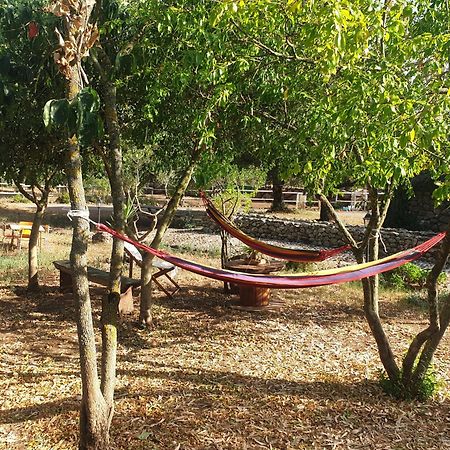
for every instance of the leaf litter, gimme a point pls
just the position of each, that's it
(303, 376)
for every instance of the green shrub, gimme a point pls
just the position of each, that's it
(294, 266)
(98, 190)
(408, 276)
(418, 299)
(63, 198)
(426, 390)
(19, 198)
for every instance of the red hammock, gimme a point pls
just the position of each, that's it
(290, 254)
(321, 278)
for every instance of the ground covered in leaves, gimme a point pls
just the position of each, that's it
(208, 376)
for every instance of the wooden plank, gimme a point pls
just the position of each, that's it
(97, 276)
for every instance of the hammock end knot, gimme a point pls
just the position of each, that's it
(81, 214)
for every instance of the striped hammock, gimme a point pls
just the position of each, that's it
(290, 254)
(312, 279)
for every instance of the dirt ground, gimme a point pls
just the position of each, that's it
(303, 376)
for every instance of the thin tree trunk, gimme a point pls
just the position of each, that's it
(111, 302)
(429, 338)
(33, 244)
(370, 285)
(224, 258)
(277, 190)
(324, 213)
(33, 249)
(145, 315)
(94, 415)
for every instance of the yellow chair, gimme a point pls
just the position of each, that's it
(25, 233)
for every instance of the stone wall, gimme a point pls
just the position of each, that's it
(325, 234)
(424, 215)
(418, 212)
(310, 232)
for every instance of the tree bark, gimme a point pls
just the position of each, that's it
(33, 249)
(428, 339)
(95, 418)
(370, 285)
(94, 414)
(145, 315)
(115, 175)
(277, 190)
(94, 430)
(324, 213)
(33, 244)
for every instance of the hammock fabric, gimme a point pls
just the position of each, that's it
(312, 279)
(290, 254)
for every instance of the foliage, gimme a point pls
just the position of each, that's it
(299, 267)
(233, 190)
(79, 116)
(97, 190)
(417, 299)
(426, 389)
(340, 96)
(63, 197)
(19, 198)
(221, 176)
(27, 77)
(409, 276)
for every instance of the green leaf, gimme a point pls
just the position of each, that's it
(144, 435)
(56, 113)
(412, 135)
(125, 64)
(5, 65)
(87, 108)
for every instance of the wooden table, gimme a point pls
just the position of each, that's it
(254, 296)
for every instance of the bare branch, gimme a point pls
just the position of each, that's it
(339, 222)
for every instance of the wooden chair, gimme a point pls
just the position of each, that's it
(6, 237)
(24, 233)
(164, 269)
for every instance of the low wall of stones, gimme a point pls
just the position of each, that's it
(314, 233)
(324, 234)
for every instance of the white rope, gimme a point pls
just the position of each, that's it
(81, 214)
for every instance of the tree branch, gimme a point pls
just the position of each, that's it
(272, 51)
(339, 222)
(22, 190)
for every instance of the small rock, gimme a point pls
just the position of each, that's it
(101, 237)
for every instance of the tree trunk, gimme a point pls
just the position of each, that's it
(33, 244)
(428, 339)
(94, 414)
(33, 249)
(370, 285)
(145, 315)
(324, 212)
(277, 191)
(224, 258)
(95, 418)
(111, 302)
(94, 423)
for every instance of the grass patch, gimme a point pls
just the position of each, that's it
(13, 267)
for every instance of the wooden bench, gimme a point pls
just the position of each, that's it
(101, 277)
